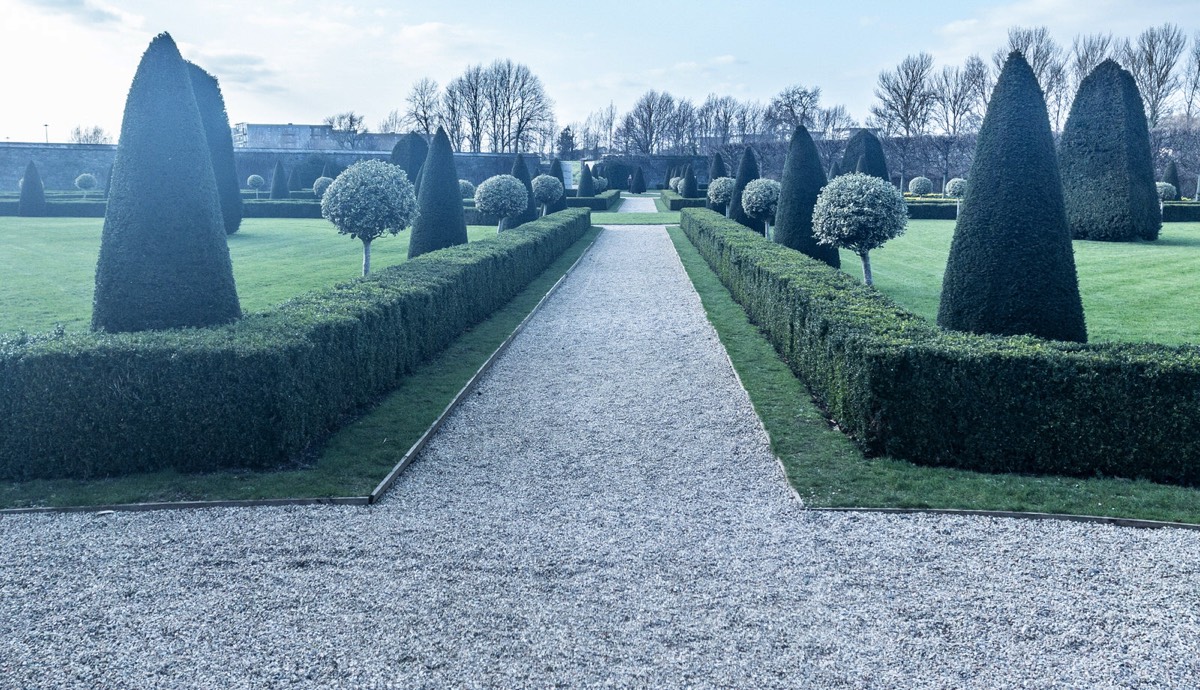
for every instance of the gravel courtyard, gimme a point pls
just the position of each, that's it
(604, 511)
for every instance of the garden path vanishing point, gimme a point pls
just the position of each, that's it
(603, 510)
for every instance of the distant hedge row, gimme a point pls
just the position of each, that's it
(281, 209)
(676, 202)
(604, 201)
(909, 390)
(258, 392)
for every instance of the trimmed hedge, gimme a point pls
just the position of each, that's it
(259, 392)
(927, 210)
(1181, 212)
(281, 209)
(604, 201)
(906, 389)
(676, 201)
(62, 209)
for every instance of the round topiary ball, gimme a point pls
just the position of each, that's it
(760, 198)
(956, 187)
(720, 191)
(320, 185)
(674, 183)
(1166, 191)
(547, 189)
(85, 183)
(503, 196)
(920, 186)
(465, 189)
(255, 182)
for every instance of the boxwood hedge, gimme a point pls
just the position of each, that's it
(604, 201)
(677, 202)
(905, 388)
(258, 392)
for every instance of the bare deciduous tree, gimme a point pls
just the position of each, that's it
(349, 129)
(794, 106)
(644, 125)
(1049, 64)
(90, 135)
(468, 92)
(393, 123)
(1152, 59)
(906, 100)
(424, 106)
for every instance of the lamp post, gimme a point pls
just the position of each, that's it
(47, 133)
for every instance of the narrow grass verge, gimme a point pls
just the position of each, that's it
(667, 218)
(352, 461)
(828, 470)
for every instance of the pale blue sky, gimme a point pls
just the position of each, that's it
(70, 62)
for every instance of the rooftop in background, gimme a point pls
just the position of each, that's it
(248, 135)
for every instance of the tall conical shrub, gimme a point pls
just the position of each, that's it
(410, 153)
(220, 145)
(33, 193)
(556, 171)
(865, 145)
(586, 186)
(1171, 177)
(1011, 269)
(279, 183)
(639, 181)
(688, 188)
(716, 167)
(803, 178)
(835, 169)
(521, 172)
(1107, 172)
(441, 222)
(747, 171)
(163, 258)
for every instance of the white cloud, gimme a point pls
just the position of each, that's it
(89, 13)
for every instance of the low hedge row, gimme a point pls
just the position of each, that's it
(281, 209)
(604, 201)
(62, 209)
(258, 392)
(907, 389)
(1181, 212)
(675, 202)
(932, 210)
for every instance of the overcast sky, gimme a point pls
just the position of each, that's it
(70, 62)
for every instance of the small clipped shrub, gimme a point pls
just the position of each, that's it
(716, 168)
(956, 187)
(255, 182)
(279, 183)
(368, 200)
(720, 192)
(85, 183)
(502, 196)
(466, 190)
(410, 153)
(639, 182)
(546, 191)
(747, 171)
(859, 212)
(920, 186)
(440, 221)
(600, 183)
(320, 185)
(556, 171)
(1166, 191)
(760, 199)
(673, 184)
(1171, 177)
(688, 188)
(33, 194)
(586, 185)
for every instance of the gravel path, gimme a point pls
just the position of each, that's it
(637, 204)
(604, 512)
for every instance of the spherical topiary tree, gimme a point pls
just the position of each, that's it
(256, 182)
(586, 186)
(760, 199)
(410, 153)
(747, 171)
(546, 191)
(688, 188)
(440, 222)
(279, 183)
(320, 185)
(720, 193)
(860, 213)
(466, 190)
(956, 188)
(864, 154)
(368, 200)
(85, 183)
(503, 196)
(556, 171)
(1166, 192)
(32, 201)
(920, 186)
(639, 182)
(674, 184)
(164, 261)
(803, 178)
(1011, 268)
(521, 172)
(1104, 154)
(1171, 177)
(211, 104)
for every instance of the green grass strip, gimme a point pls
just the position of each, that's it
(828, 470)
(353, 460)
(667, 218)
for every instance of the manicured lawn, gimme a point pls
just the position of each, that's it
(1142, 291)
(49, 265)
(661, 218)
(828, 470)
(353, 460)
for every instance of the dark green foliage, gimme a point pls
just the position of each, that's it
(410, 153)
(33, 193)
(521, 172)
(688, 189)
(586, 187)
(293, 181)
(907, 390)
(604, 201)
(557, 171)
(261, 391)
(282, 209)
(440, 223)
(747, 172)
(675, 202)
(1107, 172)
(1171, 177)
(865, 145)
(308, 170)
(803, 178)
(220, 145)
(108, 181)
(279, 183)
(835, 169)
(716, 168)
(1011, 269)
(639, 182)
(163, 259)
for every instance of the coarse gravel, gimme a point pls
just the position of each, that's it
(637, 204)
(604, 511)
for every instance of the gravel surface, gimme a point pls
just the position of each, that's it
(603, 512)
(637, 204)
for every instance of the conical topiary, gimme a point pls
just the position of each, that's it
(716, 167)
(33, 193)
(1171, 177)
(556, 171)
(441, 222)
(866, 146)
(279, 183)
(521, 172)
(163, 258)
(410, 153)
(293, 180)
(586, 186)
(688, 188)
(835, 169)
(639, 181)
(220, 145)
(1104, 154)
(1011, 269)
(747, 171)
(803, 178)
